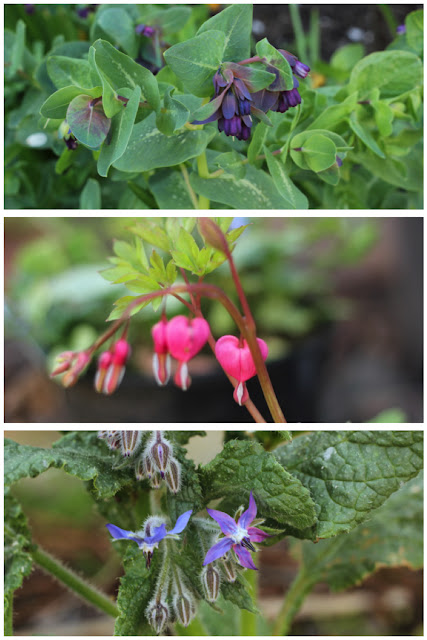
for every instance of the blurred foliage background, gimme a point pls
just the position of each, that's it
(338, 300)
(65, 523)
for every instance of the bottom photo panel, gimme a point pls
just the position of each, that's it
(213, 533)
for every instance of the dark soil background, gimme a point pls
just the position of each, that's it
(339, 24)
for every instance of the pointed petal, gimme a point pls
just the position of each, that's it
(244, 556)
(257, 535)
(122, 534)
(181, 523)
(159, 534)
(229, 105)
(219, 549)
(249, 515)
(226, 522)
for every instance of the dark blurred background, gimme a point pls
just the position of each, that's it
(65, 523)
(339, 301)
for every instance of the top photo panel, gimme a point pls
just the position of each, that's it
(211, 106)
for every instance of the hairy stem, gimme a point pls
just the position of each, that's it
(300, 588)
(248, 620)
(79, 586)
(202, 168)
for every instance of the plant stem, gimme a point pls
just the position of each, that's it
(188, 185)
(79, 586)
(389, 18)
(248, 620)
(300, 588)
(195, 628)
(299, 32)
(202, 167)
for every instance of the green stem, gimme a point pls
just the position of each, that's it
(79, 586)
(389, 18)
(248, 620)
(299, 32)
(188, 185)
(202, 168)
(299, 590)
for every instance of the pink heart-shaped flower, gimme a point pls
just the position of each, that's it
(186, 337)
(236, 359)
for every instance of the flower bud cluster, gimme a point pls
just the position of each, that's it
(127, 441)
(157, 464)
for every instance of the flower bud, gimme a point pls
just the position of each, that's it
(129, 441)
(229, 569)
(157, 615)
(184, 608)
(210, 581)
(104, 362)
(64, 361)
(155, 480)
(161, 358)
(148, 466)
(212, 234)
(173, 475)
(116, 370)
(140, 468)
(113, 439)
(160, 451)
(72, 375)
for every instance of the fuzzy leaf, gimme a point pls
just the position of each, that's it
(350, 473)
(392, 537)
(81, 454)
(243, 467)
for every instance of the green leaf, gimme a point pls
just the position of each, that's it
(392, 72)
(350, 473)
(243, 467)
(284, 185)
(346, 57)
(118, 24)
(334, 115)
(196, 60)
(255, 191)
(257, 142)
(173, 116)
(152, 233)
(121, 71)
(172, 19)
(255, 78)
(235, 22)
(365, 136)
(80, 454)
(17, 545)
(392, 537)
(87, 121)
(90, 197)
(57, 104)
(415, 30)
(18, 48)
(149, 149)
(65, 72)
(299, 141)
(284, 80)
(121, 129)
(384, 115)
(231, 162)
(169, 189)
(390, 415)
(319, 152)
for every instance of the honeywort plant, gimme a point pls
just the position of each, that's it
(181, 273)
(347, 501)
(144, 106)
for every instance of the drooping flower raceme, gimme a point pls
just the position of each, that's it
(236, 359)
(153, 532)
(238, 536)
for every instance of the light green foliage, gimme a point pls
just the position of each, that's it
(393, 72)
(284, 185)
(350, 473)
(243, 467)
(235, 22)
(90, 197)
(65, 72)
(393, 536)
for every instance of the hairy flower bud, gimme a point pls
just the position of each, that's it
(129, 441)
(140, 468)
(210, 581)
(155, 480)
(160, 450)
(157, 615)
(113, 439)
(229, 569)
(148, 466)
(184, 608)
(173, 475)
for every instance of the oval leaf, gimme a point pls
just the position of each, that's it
(87, 121)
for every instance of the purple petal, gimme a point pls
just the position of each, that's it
(122, 534)
(211, 118)
(249, 515)
(244, 556)
(229, 105)
(256, 535)
(159, 534)
(181, 523)
(226, 522)
(219, 549)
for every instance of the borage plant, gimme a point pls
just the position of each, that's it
(182, 337)
(189, 568)
(160, 107)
